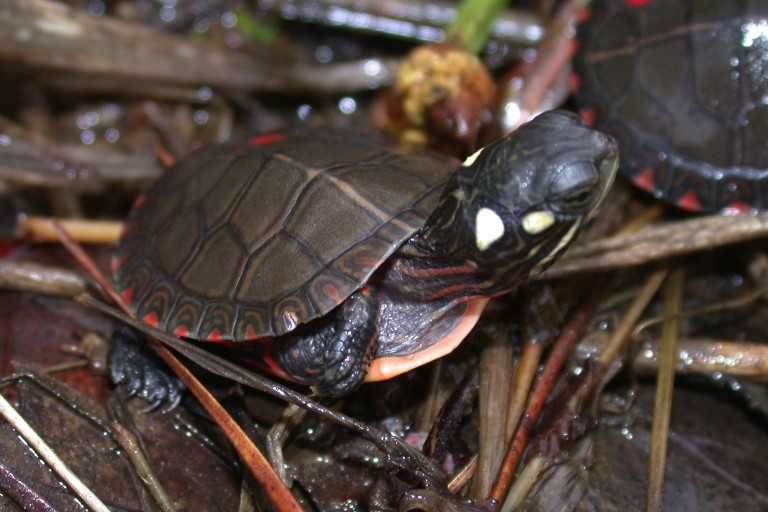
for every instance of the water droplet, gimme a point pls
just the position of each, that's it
(200, 117)
(347, 105)
(229, 19)
(304, 111)
(96, 8)
(202, 25)
(373, 68)
(87, 137)
(753, 31)
(205, 93)
(92, 118)
(324, 54)
(529, 55)
(112, 135)
(167, 13)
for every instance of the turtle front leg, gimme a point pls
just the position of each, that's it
(334, 358)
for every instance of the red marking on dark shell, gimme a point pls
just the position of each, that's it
(645, 179)
(588, 115)
(181, 331)
(331, 291)
(117, 262)
(737, 207)
(584, 15)
(266, 139)
(140, 200)
(150, 319)
(127, 294)
(214, 335)
(575, 81)
(250, 333)
(689, 201)
(573, 47)
(365, 261)
(637, 4)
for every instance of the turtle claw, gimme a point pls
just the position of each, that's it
(345, 374)
(137, 368)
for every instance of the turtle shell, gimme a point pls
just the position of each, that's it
(243, 241)
(683, 86)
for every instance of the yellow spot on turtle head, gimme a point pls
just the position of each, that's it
(537, 222)
(488, 228)
(471, 158)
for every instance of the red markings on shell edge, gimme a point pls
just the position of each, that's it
(181, 331)
(689, 201)
(584, 15)
(330, 291)
(736, 207)
(150, 319)
(140, 200)
(117, 262)
(573, 48)
(588, 115)
(366, 261)
(214, 335)
(127, 294)
(645, 179)
(266, 139)
(637, 4)
(575, 82)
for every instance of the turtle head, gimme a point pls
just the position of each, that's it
(515, 206)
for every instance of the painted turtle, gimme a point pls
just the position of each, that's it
(683, 86)
(330, 250)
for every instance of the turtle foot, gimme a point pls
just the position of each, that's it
(333, 357)
(134, 365)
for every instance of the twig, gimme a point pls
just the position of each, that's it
(49, 456)
(658, 242)
(37, 278)
(84, 231)
(130, 445)
(665, 382)
(628, 322)
(544, 384)
(19, 492)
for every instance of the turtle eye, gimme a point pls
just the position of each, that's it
(573, 187)
(578, 199)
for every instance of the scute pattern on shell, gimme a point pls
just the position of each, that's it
(684, 94)
(240, 241)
